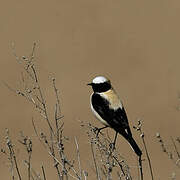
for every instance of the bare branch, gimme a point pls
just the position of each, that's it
(78, 155)
(44, 175)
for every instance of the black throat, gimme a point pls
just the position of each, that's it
(101, 87)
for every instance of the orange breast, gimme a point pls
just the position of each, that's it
(112, 98)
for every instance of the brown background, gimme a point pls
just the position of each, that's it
(135, 43)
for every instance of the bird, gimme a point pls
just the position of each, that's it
(109, 110)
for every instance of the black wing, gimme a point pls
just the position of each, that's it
(117, 119)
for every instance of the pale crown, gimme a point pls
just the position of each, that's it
(99, 79)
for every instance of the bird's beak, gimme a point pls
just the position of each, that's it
(89, 84)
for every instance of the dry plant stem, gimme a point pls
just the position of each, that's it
(50, 153)
(109, 169)
(12, 156)
(94, 160)
(175, 147)
(31, 72)
(12, 167)
(119, 176)
(9, 157)
(63, 158)
(29, 167)
(140, 167)
(15, 161)
(44, 175)
(139, 128)
(33, 172)
(116, 159)
(106, 156)
(56, 164)
(78, 156)
(147, 154)
(165, 150)
(85, 175)
(75, 172)
(28, 145)
(54, 142)
(59, 137)
(57, 117)
(42, 99)
(119, 164)
(57, 109)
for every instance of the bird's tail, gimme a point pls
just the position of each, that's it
(134, 145)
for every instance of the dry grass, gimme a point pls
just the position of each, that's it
(107, 162)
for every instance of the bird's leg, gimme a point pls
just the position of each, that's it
(140, 167)
(99, 129)
(112, 145)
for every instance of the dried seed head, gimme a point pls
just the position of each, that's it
(158, 135)
(24, 57)
(138, 129)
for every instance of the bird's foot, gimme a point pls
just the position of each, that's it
(97, 131)
(112, 146)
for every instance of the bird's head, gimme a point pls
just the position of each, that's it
(100, 84)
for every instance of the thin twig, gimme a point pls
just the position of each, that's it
(140, 167)
(85, 175)
(28, 145)
(56, 164)
(32, 172)
(50, 153)
(165, 150)
(79, 159)
(139, 128)
(33, 92)
(94, 160)
(44, 175)
(121, 167)
(57, 115)
(147, 155)
(108, 158)
(34, 77)
(175, 147)
(42, 99)
(12, 154)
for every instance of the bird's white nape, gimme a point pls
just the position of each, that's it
(99, 79)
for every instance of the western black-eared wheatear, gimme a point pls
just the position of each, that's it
(108, 108)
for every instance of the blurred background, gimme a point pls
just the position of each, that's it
(134, 43)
